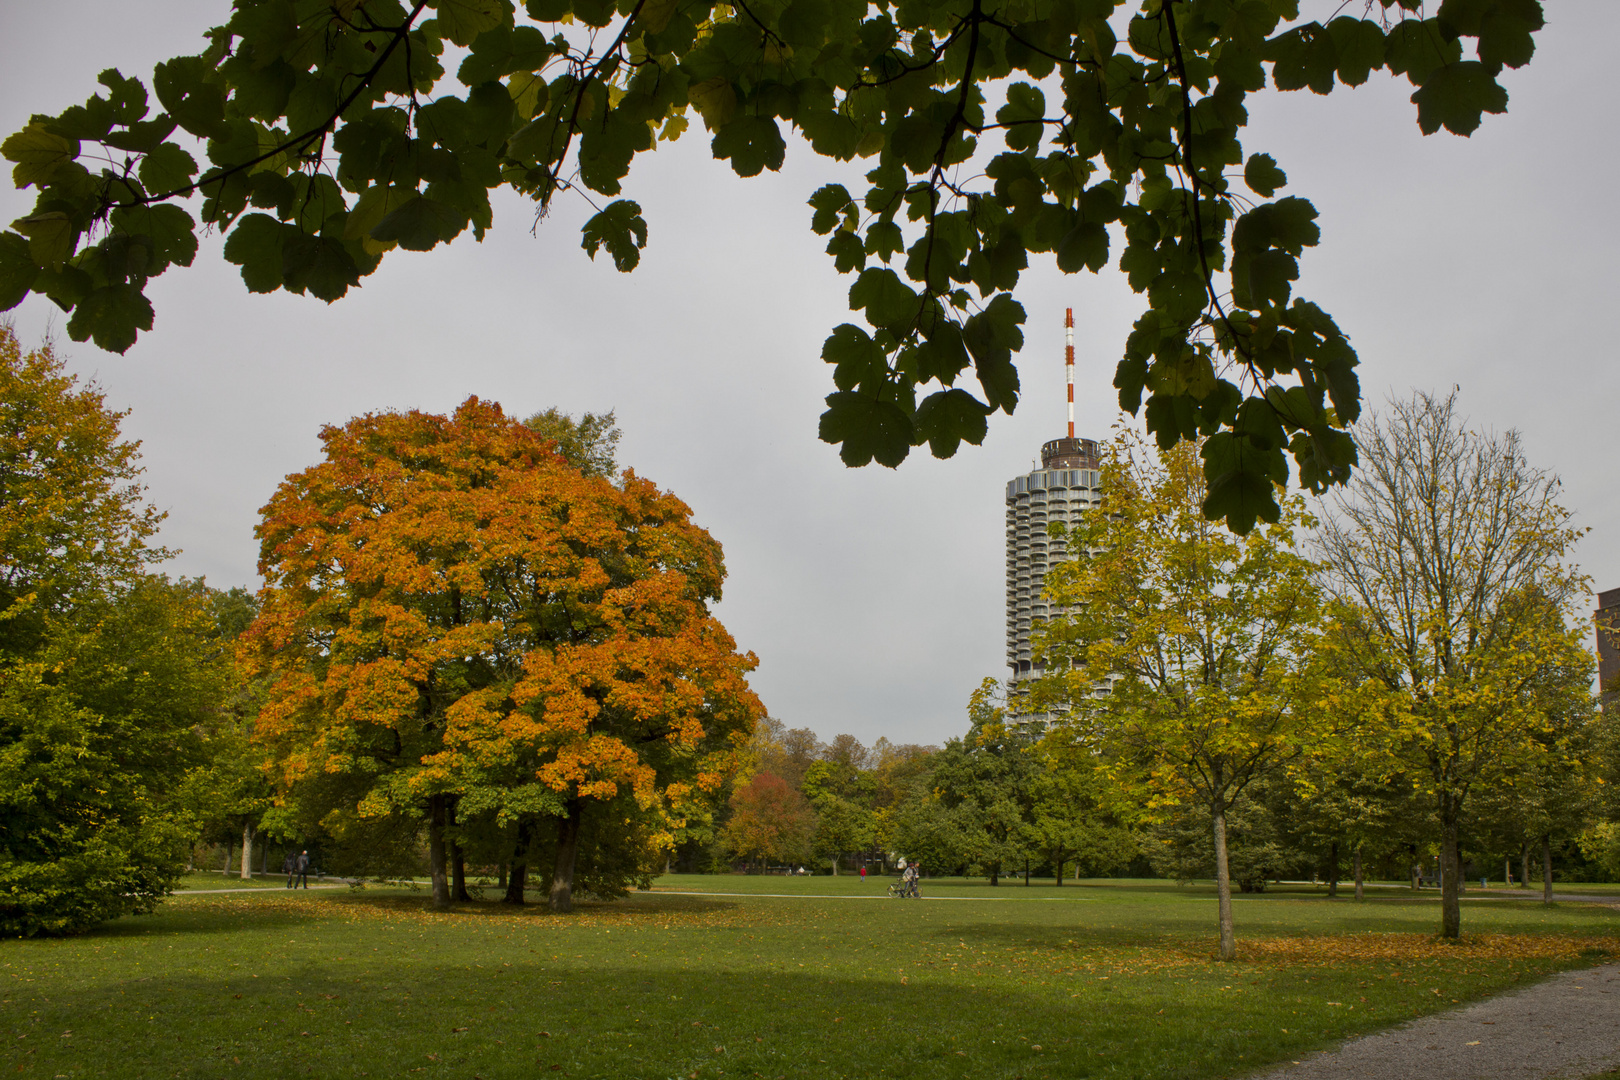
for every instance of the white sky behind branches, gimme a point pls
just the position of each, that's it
(874, 598)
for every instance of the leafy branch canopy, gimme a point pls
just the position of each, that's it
(331, 133)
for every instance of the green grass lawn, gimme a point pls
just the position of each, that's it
(1095, 979)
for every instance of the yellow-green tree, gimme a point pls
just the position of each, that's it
(1179, 650)
(1449, 558)
(105, 673)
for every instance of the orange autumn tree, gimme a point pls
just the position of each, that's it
(458, 626)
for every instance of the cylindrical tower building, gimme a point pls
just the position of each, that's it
(1063, 488)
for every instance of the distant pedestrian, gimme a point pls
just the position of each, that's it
(289, 866)
(863, 873)
(302, 867)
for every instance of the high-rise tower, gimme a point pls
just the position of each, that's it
(1062, 489)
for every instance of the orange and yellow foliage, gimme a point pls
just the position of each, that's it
(452, 609)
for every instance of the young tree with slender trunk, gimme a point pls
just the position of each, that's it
(1448, 558)
(457, 622)
(1179, 650)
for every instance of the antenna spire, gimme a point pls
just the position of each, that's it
(1068, 362)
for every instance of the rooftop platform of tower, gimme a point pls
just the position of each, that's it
(1071, 453)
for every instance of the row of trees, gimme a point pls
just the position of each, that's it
(475, 635)
(1408, 679)
(1420, 645)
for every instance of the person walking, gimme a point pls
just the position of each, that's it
(302, 866)
(863, 873)
(289, 866)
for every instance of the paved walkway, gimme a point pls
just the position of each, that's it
(1566, 1027)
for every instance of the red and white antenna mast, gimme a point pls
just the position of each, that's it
(1068, 362)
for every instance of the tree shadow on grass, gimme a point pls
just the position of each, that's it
(649, 906)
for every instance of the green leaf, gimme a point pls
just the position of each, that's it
(317, 264)
(1263, 176)
(38, 154)
(127, 96)
(1303, 56)
(866, 429)
(1417, 48)
(1360, 47)
(17, 270)
(255, 245)
(1240, 483)
(420, 224)
(1085, 246)
(829, 202)
(621, 229)
(52, 238)
(197, 104)
(949, 417)
(751, 143)
(887, 300)
(992, 336)
(167, 168)
(847, 251)
(1505, 32)
(112, 316)
(857, 358)
(463, 20)
(1456, 95)
(500, 51)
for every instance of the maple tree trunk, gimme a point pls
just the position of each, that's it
(1546, 868)
(1357, 863)
(441, 882)
(1416, 870)
(519, 877)
(1026, 871)
(1333, 869)
(835, 865)
(1450, 872)
(1223, 886)
(247, 852)
(1524, 864)
(1060, 873)
(458, 863)
(562, 882)
(995, 875)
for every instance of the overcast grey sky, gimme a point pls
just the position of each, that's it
(873, 598)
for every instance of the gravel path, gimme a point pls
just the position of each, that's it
(1565, 1027)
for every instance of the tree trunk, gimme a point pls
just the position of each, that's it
(1333, 869)
(1546, 868)
(226, 870)
(264, 859)
(1223, 886)
(1357, 858)
(562, 882)
(1060, 873)
(247, 852)
(995, 875)
(1450, 871)
(500, 875)
(518, 879)
(1524, 864)
(436, 869)
(835, 864)
(1416, 871)
(458, 862)
(1026, 871)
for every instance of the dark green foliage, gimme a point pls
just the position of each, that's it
(1126, 153)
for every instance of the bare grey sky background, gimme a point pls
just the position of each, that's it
(873, 598)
